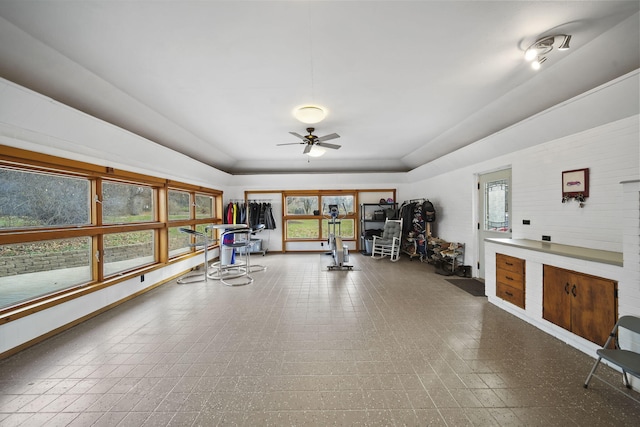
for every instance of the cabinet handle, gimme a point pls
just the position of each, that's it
(508, 277)
(508, 293)
(508, 263)
(573, 290)
(566, 288)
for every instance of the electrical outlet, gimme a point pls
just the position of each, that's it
(546, 238)
(142, 278)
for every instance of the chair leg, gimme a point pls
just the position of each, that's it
(625, 380)
(593, 370)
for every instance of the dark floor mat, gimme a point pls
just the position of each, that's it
(471, 286)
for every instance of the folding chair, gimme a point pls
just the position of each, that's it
(627, 360)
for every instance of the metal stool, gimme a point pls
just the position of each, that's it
(220, 268)
(241, 239)
(193, 277)
(254, 231)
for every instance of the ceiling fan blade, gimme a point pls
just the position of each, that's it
(298, 135)
(327, 145)
(292, 143)
(328, 137)
(307, 149)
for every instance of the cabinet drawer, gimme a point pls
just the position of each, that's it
(509, 263)
(510, 294)
(510, 278)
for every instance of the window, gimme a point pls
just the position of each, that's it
(66, 224)
(307, 215)
(127, 251)
(178, 242)
(26, 268)
(179, 205)
(343, 228)
(497, 206)
(182, 213)
(35, 199)
(204, 206)
(305, 205)
(126, 203)
(302, 229)
(345, 204)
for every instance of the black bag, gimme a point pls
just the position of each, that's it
(429, 211)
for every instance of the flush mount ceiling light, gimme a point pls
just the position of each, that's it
(535, 53)
(310, 114)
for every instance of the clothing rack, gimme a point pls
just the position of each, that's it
(250, 200)
(416, 231)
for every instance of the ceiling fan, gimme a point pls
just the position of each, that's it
(311, 140)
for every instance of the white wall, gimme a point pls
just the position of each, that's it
(610, 151)
(33, 122)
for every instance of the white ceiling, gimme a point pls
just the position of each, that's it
(404, 82)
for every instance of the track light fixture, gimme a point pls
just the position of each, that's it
(537, 51)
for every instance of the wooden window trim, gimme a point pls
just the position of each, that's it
(19, 159)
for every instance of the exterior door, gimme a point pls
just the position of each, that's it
(494, 213)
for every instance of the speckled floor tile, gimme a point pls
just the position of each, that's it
(389, 344)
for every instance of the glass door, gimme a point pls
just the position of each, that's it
(494, 216)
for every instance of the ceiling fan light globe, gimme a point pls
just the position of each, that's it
(316, 151)
(536, 64)
(309, 114)
(530, 54)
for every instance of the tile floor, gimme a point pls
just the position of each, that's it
(388, 344)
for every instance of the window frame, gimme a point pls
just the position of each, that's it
(320, 217)
(29, 161)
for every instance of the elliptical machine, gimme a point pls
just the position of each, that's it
(339, 251)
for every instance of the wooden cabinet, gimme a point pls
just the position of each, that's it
(585, 305)
(510, 283)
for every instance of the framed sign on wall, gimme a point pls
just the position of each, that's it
(575, 183)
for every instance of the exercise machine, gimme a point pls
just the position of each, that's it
(338, 250)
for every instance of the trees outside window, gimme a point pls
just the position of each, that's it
(67, 224)
(307, 214)
(36, 199)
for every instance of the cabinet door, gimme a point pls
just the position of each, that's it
(593, 309)
(556, 291)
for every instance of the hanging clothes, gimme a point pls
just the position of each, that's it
(414, 239)
(261, 213)
(269, 221)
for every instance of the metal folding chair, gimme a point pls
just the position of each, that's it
(626, 359)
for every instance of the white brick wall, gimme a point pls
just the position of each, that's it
(610, 152)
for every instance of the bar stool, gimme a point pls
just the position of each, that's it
(226, 268)
(257, 229)
(240, 239)
(200, 240)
